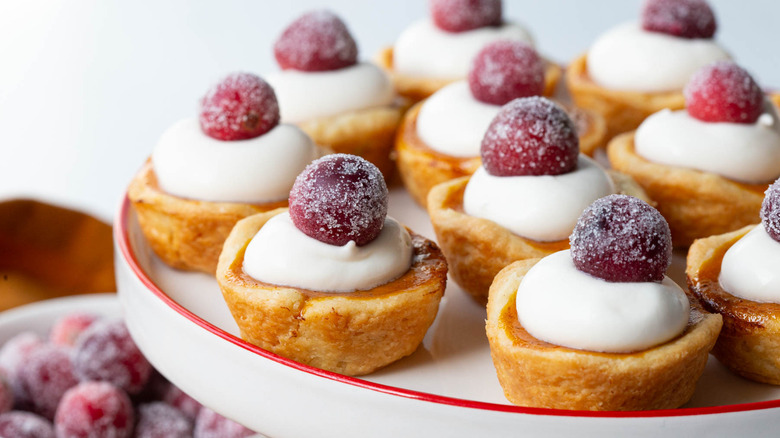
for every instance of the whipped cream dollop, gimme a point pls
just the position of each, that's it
(190, 164)
(630, 58)
(452, 121)
(559, 304)
(749, 267)
(424, 50)
(283, 255)
(543, 208)
(744, 152)
(307, 95)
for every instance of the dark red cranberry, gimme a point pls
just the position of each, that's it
(181, 401)
(339, 198)
(724, 92)
(316, 41)
(66, 329)
(14, 354)
(212, 425)
(463, 15)
(770, 210)
(94, 409)
(21, 424)
(239, 107)
(161, 420)
(6, 394)
(505, 70)
(620, 238)
(680, 18)
(530, 136)
(45, 377)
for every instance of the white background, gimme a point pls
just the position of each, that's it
(87, 86)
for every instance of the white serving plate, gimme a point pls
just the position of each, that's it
(448, 387)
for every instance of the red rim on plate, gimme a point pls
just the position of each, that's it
(123, 239)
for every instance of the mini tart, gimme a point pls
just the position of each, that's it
(775, 98)
(476, 248)
(622, 110)
(695, 203)
(417, 88)
(421, 167)
(185, 233)
(539, 374)
(349, 333)
(749, 343)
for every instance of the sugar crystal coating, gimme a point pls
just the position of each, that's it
(21, 424)
(463, 15)
(770, 210)
(13, 355)
(316, 41)
(680, 18)
(339, 198)
(505, 70)
(66, 329)
(530, 136)
(212, 425)
(620, 238)
(93, 409)
(723, 92)
(45, 377)
(241, 106)
(161, 420)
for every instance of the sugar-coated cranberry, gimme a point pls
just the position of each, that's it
(239, 107)
(161, 420)
(21, 424)
(94, 409)
(530, 136)
(66, 329)
(210, 424)
(316, 41)
(770, 210)
(106, 352)
(463, 15)
(505, 70)
(724, 92)
(45, 377)
(6, 394)
(181, 401)
(680, 18)
(13, 355)
(339, 198)
(620, 238)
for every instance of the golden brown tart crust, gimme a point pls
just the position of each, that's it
(749, 343)
(348, 333)
(695, 203)
(539, 374)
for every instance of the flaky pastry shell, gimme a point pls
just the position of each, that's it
(749, 343)
(348, 333)
(185, 233)
(695, 203)
(539, 374)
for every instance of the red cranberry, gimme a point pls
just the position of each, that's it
(239, 107)
(20, 424)
(724, 92)
(181, 401)
(45, 377)
(680, 18)
(106, 352)
(530, 136)
(339, 198)
(770, 210)
(316, 41)
(14, 354)
(66, 329)
(620, 238)
(161, 420)
(6, 395)
(94, 409)
(506, 70)
(212, 425)
(463, 15)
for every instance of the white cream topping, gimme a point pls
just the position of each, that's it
(453, 122)
(744, 152)
(308, 95)
(543, 208)
(749, 267)
(630, 58)
(425, 50)
(559, 304)
(190, 164)
(283, 255)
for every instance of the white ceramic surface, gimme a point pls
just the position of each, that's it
(447, 388)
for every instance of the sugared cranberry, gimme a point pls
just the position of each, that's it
(620, 238)
(463, 15)
(239, 107)
(21, 424)
(15, 354)
(530, 136)
(770, 210)
(316, 41)
(181, 401)
(6, 394)
(106, 352)
(212, 425)
(93, 409)
(339, 198)
(680, 18)
(161, 420)
(66, 329)
(45, 377)
(723, 92)
(505, 70)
